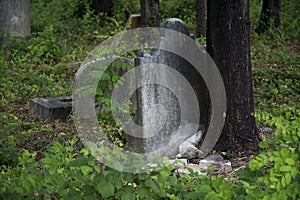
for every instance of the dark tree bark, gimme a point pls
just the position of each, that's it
(201, 18)
(14, 18)
(228, 43)
(270, 15)
(150, 13)
(102, 6)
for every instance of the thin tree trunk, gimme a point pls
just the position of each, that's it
(270, 15)
(228, 43)
(201, 18)
(150, 13)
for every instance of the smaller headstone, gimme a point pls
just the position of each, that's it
(134, 21)
(51, 108)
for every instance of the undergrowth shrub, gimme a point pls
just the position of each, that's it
(275, 172)
(70, 173)
(62, 175)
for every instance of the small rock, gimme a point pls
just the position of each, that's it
(194, 167)
(265, 129)
(227, 165)
(215, 157)
(217, 162)
(177, 163)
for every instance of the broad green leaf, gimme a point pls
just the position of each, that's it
(194, 195)
(204, 188)
(283, 181)
(88, 189)
(211, 196)
(106, 189)
(282, 195)
(288, 178)
(278, 186)
(79, 162)
(98, 178)
(117, 182)
(143, 192)
(286, 168)
(86, 170)
(142, 176)
(263, 144)
(91, 197)
(47, 161)
(294, 172)
(284, 152)
(150, 183)
(73, 195)
(75, 183)
(127, 196)
(273, 179)
(289, 161)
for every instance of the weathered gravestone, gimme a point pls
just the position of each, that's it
(14, 19)
(158, 108)
(134, 21)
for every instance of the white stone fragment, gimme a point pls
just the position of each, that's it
(217, 162)
(194, 167)
(188, 150)
(194, 139)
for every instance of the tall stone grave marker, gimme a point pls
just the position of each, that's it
(159, 109)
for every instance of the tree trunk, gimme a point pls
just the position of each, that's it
(150, 13)
(270, 15)
(201, 18)
(228, 43)
(14, 18)
(102, 6)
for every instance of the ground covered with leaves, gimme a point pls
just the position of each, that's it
(45, 160)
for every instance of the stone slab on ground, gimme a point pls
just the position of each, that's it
(51, 108)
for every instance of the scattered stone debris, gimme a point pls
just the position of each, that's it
(188, 148)
(217, 162)
(196, 168)
(264, 132)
